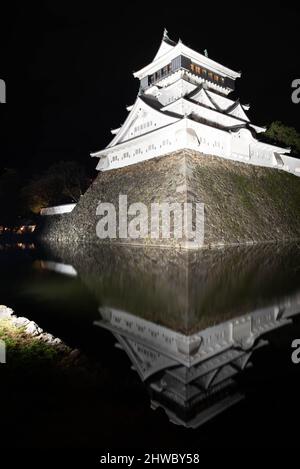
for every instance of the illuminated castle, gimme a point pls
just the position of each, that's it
(183, 104)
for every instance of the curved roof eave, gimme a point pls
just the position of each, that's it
(181, 49)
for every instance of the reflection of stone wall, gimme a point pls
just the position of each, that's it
(232, 281)
(183, 290)
(138, 280)
(243, 203)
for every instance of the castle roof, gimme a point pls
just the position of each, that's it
(169, 50)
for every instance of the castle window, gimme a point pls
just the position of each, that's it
(166, 69)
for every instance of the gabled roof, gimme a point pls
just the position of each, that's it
(155, 104)
(207, 99)
(169, 50)
(145, 367)
(165, 45)
(222, 101)
(148, 104)
(214, 111)
(238, 111)
(200, 95)
(233, 106)
(211, 99)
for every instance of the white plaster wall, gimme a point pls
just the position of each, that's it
(292, 165)
(240, 144)
(57, 210)
(188, 134)
(155, 144)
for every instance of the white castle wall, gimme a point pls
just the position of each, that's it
(57, 210)
(188, 134)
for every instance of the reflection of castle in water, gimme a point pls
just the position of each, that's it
(208, 313)
(192, 376)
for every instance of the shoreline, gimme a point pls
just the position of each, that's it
(23, 339)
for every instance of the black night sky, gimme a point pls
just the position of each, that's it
(68, 67)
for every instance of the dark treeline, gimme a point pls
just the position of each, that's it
(23, 195)
(282, 134)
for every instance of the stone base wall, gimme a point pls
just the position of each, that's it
(243, 203)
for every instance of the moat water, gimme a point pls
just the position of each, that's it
(196, 347)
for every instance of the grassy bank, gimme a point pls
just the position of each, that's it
(53, 396)
(23, 350)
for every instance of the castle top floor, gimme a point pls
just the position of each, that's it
(175, 57)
